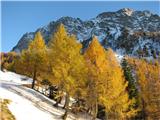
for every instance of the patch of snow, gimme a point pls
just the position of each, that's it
(30, 35)
(119, 55)
(15, 78)
(101, 37)
(28, 104)
(23, 109)
(84, 36)
(128, 11)
(96, 20)
(116, 32)
(147, 13)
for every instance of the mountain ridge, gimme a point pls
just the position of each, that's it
(126, 31)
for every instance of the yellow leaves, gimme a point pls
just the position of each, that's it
(111, 59)
(117, 95)
(106, 73)
(98, 77)
(59, 37)
(149, 84)
(7, 60)
(95, 53)
(38, 42)
(34, 58)
(66, 59)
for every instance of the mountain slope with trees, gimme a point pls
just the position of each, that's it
(90, 81)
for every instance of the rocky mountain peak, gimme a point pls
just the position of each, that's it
(126, 11)
(125, 30)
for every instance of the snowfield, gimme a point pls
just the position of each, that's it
(28, 104)
(23, 109)
(14, 78)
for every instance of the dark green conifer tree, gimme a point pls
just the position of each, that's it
(132, 86)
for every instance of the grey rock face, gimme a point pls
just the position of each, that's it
(126, 31)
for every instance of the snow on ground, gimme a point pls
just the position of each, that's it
(14, 78)
(23, 109)
(28, 104)
(119, 57)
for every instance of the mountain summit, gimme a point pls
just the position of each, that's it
(127, 11)
(126, 31)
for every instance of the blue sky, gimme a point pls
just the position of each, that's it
(21, 17)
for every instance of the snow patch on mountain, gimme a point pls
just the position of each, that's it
(128, 11)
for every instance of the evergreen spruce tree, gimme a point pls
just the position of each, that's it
(132, 89)
(132, 85)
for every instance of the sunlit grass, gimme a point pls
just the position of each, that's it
(5, 114)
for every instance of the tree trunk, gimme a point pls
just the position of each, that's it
(106, 116)
(34, 78)
(51, 89)
(45, 92)
(65, 115)
(66, 106)
(66, 101)
(143, 110)
(58, 101)
(2, 66)
(95, 111)
(38, 88)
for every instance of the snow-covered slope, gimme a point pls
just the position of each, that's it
(22, 108)
(14, 78)
(28, 104)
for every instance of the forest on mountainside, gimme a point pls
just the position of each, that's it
(101, 86)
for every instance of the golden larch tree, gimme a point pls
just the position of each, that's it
(33, 59)
(148, 78)
(67, 63)
(106, 83)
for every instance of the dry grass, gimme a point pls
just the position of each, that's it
(5, 114)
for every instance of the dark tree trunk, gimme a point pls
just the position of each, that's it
(2, 66)
(58, 101)
(143, 110)
(101, 112)
(95, 108)
(66, 107)
(95, 111)
(51, 90)
(34, 78)
(66, 101)
(33, 83)
(65, 115)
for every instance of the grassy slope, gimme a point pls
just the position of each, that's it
(5, 114)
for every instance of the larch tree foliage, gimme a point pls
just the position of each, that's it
(7, 60)
(106, 84)
(33, 59)
(67, 63)
(22, 63)
(96, 64)
(117, 102)
(148, 77)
